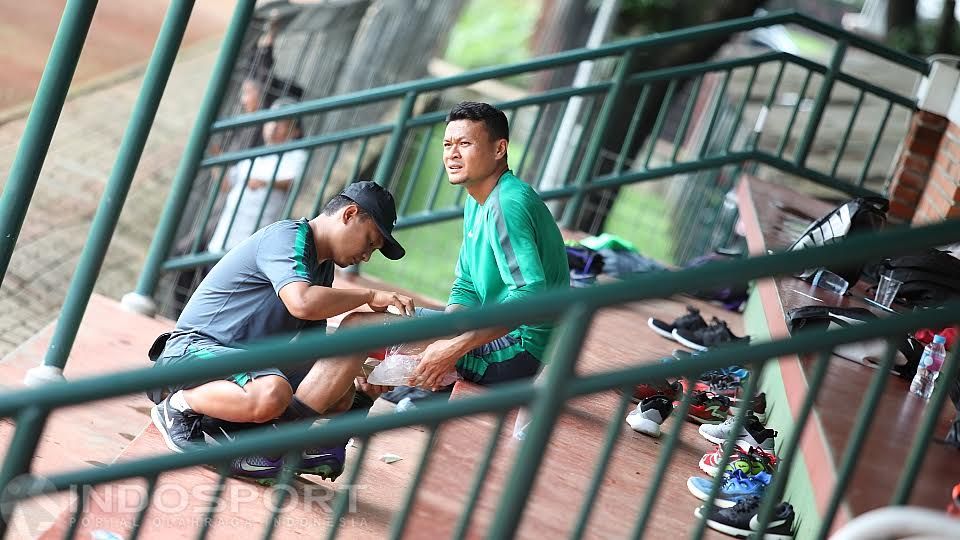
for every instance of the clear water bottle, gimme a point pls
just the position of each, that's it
(929, 368)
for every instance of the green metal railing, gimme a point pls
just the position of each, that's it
(574, 311)
(402, 152)
(398, 153)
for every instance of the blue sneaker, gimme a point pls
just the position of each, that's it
(326, 463)
(736, 485)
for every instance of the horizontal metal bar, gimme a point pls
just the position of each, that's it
(280, 352)
(567, 58)
(506, 396)
(550, 96)
(905, 60)
(818, 177)
(688, 70)
(299, 144)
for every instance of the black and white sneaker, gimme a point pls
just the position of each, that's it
(216, 431)
(705, 338)
(180, 429)
(691, 321)
(741, 521)
(649, 414)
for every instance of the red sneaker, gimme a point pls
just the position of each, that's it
(664, 388)
(706, 408)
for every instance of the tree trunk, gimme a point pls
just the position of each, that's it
(947, 28)
(901, 14)
(598, 203)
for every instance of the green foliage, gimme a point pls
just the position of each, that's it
(492, 32)
(641, 215)
(921, 39)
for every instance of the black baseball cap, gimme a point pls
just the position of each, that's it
(378, 203)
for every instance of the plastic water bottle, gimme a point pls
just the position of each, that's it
(929, 368)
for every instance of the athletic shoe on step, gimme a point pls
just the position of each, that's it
(735, 486)
(704, 338)
(180, 429)
(740, 519)
(757, 406)
(753, 433)
(691, 321)
(650, 414)
(642, 391)
(708, 408)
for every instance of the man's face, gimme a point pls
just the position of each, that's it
(357, 239)
(278, 131)
(469, 152)
(250, 96)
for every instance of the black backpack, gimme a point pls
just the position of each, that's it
(857, 216)
(929, 278)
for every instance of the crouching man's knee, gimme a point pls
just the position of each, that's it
(270, 397)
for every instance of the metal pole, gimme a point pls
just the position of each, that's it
(546, 406)
(47, 104)
(118, 186)
(820, 105)
(388, 159)
(141, 300)
(563, 147)
(596, 140)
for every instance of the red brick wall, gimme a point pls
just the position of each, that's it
(941, 196)
(918, 162)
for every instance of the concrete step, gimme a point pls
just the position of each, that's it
(90, 435)
(618, 338)
(182, 498)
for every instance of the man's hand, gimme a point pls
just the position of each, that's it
(255, 183)
(436, 361)
(381, 300)
(372, 390)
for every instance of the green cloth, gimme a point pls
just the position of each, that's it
(512, 249)
(608, 241)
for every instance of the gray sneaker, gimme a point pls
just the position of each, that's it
(753, 433)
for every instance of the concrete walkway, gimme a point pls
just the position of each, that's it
(71, 183)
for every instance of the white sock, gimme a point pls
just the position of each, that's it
(179, 402)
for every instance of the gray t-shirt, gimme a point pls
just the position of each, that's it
(238, 301)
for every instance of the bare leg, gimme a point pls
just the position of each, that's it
(260, 400)
(331, 379)
(328, 387)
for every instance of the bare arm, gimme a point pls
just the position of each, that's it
(468, 341)
(315, 302)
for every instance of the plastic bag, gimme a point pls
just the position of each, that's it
(398, 366)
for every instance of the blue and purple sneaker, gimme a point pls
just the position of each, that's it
(326, 463)
(263, 469)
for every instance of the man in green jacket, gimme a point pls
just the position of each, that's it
(512, 250)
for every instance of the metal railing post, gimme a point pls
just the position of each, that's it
(596, 139)
(30, 422)
(140, 300)
(823, 94)
(391, 151)
(546, 405)
(115, 194)
(41, 123)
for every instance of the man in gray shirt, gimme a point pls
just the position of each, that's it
(278, 282)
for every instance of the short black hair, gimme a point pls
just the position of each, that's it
(339, 202)
(493, 118)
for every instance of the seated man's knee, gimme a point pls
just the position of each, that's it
(271, 396)
(343, 404)
(355, 318)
